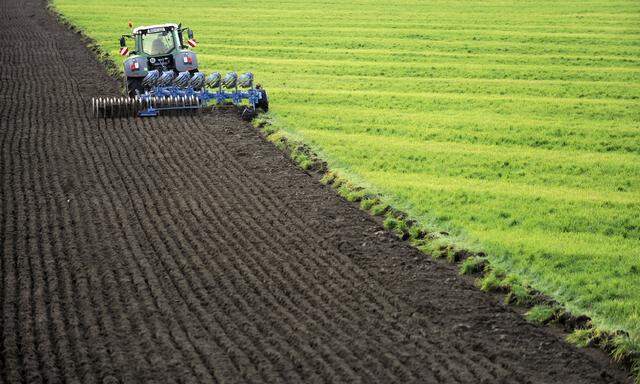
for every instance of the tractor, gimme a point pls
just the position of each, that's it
(162, 75)
(157, 47)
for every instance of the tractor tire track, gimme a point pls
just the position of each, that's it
(188, 249)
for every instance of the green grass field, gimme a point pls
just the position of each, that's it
(515, 125)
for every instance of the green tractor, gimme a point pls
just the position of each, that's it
(159, 47)
(161, 75)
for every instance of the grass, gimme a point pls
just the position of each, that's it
(541, 314)
(514, 127)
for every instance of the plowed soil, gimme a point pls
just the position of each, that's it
(188, 249)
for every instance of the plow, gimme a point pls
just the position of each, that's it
(162, 77)
(170, 93)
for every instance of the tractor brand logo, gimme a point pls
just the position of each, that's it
(124, 51)
(192, 42)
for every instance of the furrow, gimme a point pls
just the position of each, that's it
(252, 230)
(229, 238)
(156, 237)
(266, 239)
(196, 286)
(140, 266)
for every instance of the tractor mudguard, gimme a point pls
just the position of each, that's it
(136, 67)
(185, 61)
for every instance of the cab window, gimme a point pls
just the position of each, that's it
(157, 43)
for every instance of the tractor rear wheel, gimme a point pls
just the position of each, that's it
(263, 103)
(134, 86)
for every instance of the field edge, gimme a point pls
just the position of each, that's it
(438, 243)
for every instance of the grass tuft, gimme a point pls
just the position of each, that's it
(367, 203)
(626, 347)
(379, 208)
(541, 314)
(494, 281)
(328, 178)
(518, 294)
(581, 337)
(473, 265)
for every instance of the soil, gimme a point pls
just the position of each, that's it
(189, 249)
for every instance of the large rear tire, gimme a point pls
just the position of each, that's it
(134, 86)
(263, 103)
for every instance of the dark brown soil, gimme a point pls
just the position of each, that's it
(188, 249)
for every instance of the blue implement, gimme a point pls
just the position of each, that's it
(177, 96)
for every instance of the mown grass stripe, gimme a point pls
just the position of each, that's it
(508, 188)
(630, 161)
(464, 96)
(417, 54)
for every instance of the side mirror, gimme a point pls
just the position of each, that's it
(123, 42)
(190, 34)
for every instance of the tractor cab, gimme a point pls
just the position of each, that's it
(159, 47)
(157, 41)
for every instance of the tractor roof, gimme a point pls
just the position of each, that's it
(145, 27)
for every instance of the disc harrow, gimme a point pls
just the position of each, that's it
(114, 107)
(168, 93)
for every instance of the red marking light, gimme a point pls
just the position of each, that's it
(134, 66)
(187, 59)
